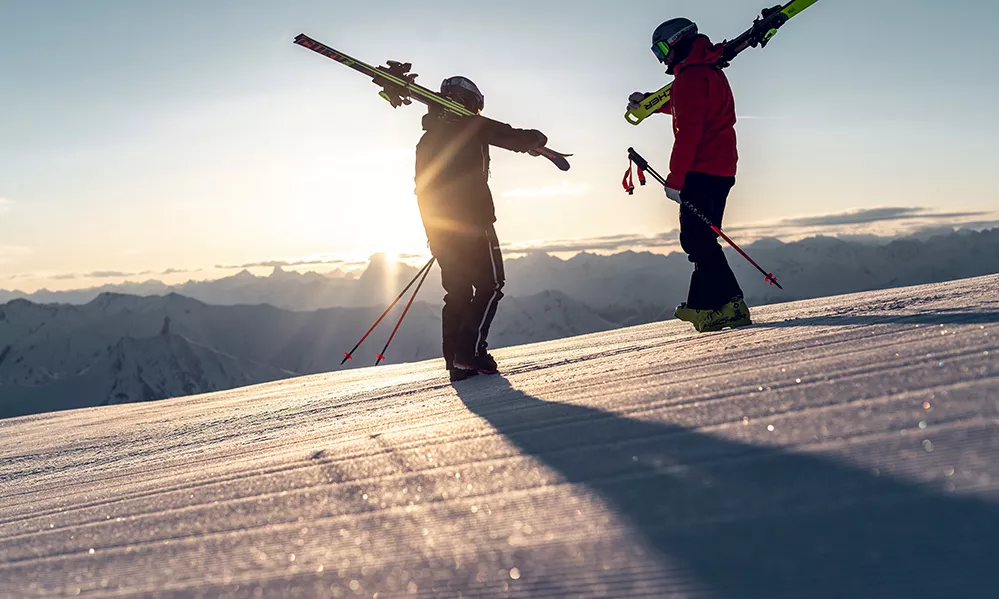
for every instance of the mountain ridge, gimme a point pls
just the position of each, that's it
(172, 345)
(812, 267)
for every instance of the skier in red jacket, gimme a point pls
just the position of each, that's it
(702, 168)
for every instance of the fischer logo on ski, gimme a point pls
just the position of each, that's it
(759, 35)
(653, 103)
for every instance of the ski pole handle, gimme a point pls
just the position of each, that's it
(644, 165)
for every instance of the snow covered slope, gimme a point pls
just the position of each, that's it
(144, 369)
(123, 348)
(846, 447)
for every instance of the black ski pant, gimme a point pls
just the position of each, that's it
(472, 275)
(712, 284)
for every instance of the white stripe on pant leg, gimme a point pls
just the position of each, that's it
(492, 300)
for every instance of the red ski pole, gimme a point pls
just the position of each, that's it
(349, 355)
(381, 354)
(643, 165)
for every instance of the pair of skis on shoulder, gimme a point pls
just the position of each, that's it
(399, 87)
(763, 30)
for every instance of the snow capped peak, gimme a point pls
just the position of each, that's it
(111, 301)
(536, 257)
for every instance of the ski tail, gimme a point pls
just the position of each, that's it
(650, 105)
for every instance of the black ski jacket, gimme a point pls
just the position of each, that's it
(452, 168)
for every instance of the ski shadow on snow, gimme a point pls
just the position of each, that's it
(937, 317)
(750, 521)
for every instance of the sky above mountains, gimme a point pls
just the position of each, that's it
(170, 140)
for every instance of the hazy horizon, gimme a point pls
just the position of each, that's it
(394, 265)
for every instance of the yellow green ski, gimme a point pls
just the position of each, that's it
(763, 30)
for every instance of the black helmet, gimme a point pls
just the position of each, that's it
(671, 35)
(462, 90)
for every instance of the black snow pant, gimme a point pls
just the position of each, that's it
(712, 284)
(472, 275)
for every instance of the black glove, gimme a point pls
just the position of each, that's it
(542, 142)
(635, 99)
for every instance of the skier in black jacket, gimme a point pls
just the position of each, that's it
(452, 172)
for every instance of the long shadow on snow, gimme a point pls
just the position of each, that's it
(936, 317)
(751, 521)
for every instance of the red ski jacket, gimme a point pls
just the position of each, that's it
(703, 110)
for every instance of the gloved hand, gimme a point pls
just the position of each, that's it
(542, 142)
(635, 99)
(542, 138)
(673, 194)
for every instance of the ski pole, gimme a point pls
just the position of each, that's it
(643, 165)
(381, 354)
(349, 355)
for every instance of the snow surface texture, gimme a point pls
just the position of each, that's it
(846, 447)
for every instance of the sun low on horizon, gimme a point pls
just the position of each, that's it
(175, 142)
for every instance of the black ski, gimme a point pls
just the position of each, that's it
(399, 88)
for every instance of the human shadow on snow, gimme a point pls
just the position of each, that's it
(750, 521)
(935, 318)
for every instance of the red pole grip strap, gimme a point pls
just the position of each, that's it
(628, 182)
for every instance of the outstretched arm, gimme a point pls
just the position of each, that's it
(504, 136)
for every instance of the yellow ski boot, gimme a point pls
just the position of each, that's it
(732, 315)
(694, 317)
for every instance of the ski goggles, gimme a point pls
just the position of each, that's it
(464, 84)
(663, 49)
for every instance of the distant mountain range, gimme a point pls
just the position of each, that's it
(102, 347)
(625, 287)
(125, 348)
